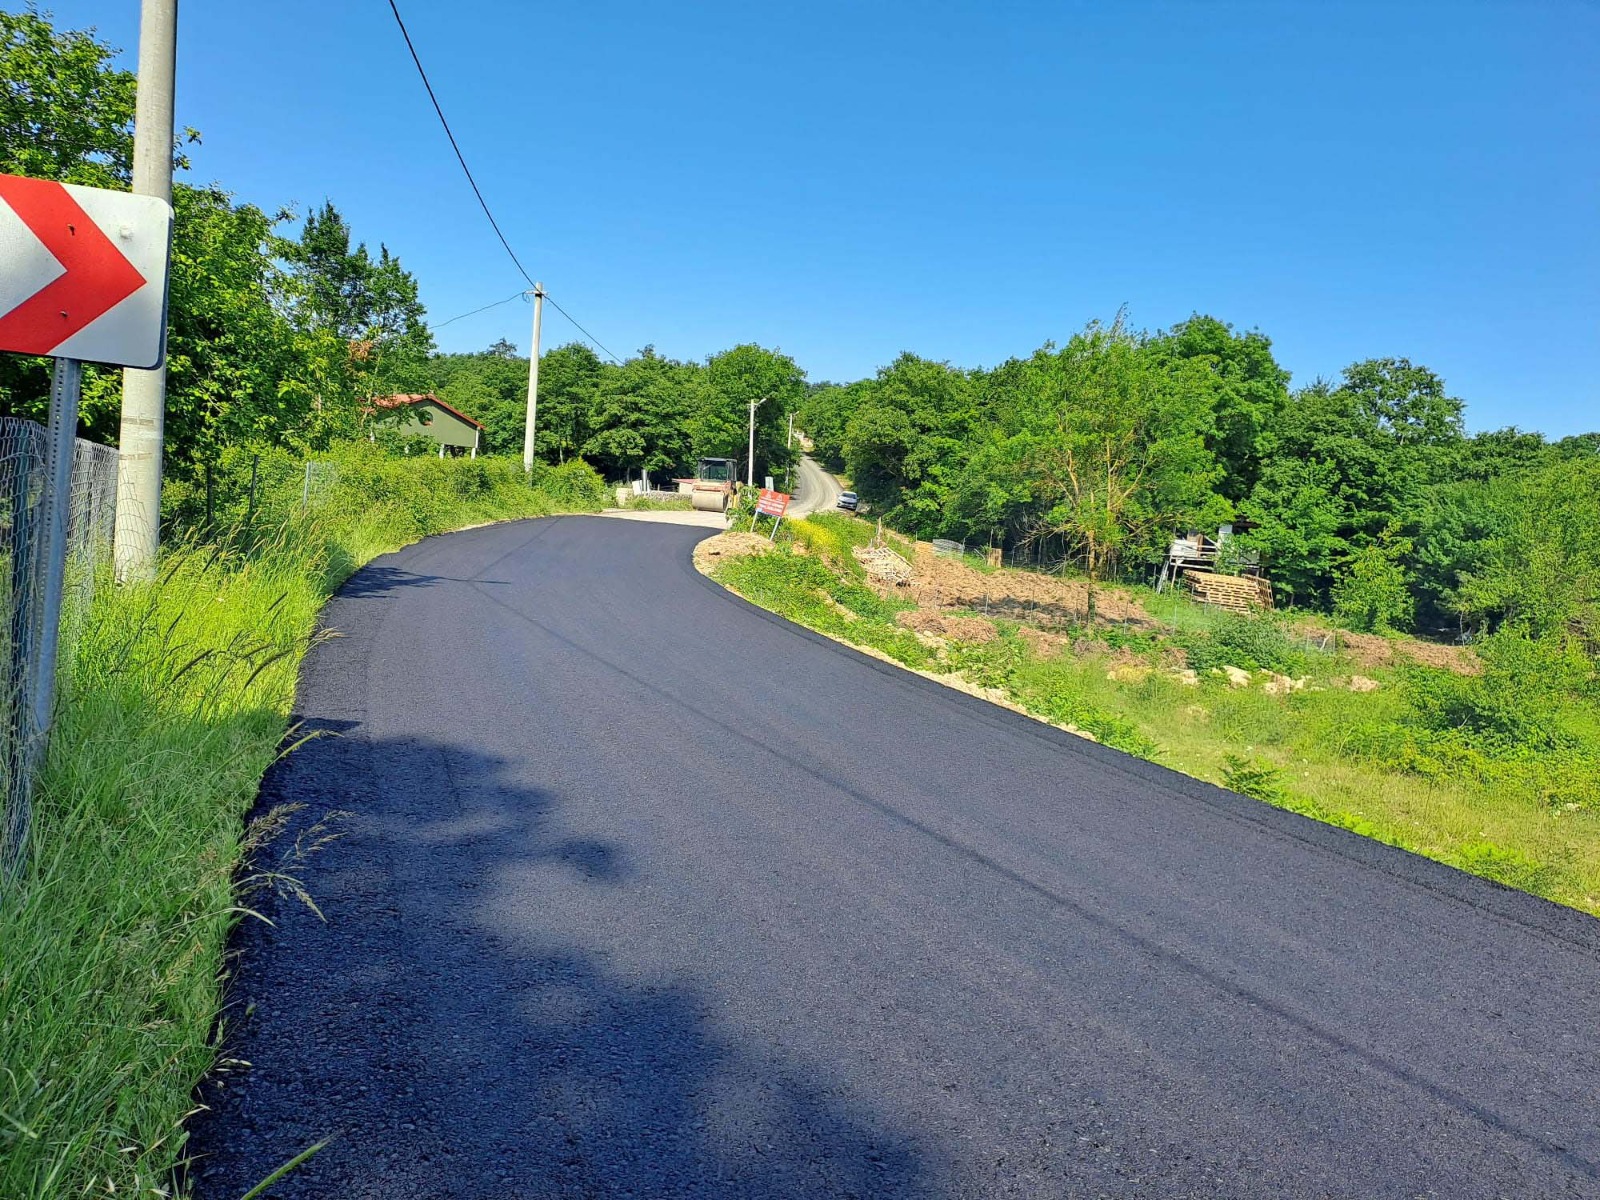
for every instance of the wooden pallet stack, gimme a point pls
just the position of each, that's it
(1236, 593)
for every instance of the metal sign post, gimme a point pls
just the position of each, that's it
(772, 504)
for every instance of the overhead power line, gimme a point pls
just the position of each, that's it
(582, 330)
(482, 203)
(476, 191)
(517, 295)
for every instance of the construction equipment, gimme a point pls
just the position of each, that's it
(714, 483)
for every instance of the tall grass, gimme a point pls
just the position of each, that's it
(112, 941)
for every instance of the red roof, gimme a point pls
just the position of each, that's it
(406, 399)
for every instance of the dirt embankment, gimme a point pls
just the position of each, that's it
(943, 583)
(1039, 602)
(725, 547)
(1371, 651)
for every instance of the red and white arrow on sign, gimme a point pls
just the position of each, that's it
(82, 272)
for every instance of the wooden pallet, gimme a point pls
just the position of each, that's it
(1236, 593)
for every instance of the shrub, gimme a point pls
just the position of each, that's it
(572, 484)
(1522, 704)
(1510, 867)
(1252, 777)
(1254, 643)
(1374, 592)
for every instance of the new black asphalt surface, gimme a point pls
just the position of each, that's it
(644, 892)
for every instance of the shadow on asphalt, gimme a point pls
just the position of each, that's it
(448, 1055)
(374, 581)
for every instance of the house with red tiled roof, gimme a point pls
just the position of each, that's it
(422, 414)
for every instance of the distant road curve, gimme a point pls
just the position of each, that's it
(816, 491)
(644, 892)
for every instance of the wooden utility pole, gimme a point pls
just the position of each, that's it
(140, 440)
(533, 381)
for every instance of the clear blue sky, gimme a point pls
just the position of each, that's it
(965, 180)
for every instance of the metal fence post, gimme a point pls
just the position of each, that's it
(50, 564)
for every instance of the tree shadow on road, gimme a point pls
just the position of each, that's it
(448, 1056)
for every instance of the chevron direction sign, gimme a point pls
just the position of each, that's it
(83, 272)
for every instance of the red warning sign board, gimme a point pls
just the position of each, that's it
(83, 272)
(772, 504)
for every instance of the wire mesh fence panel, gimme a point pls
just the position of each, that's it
(24, 462)
(319, 480)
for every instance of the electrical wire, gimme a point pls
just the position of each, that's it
(482, 203)
(517, 295)
(456, 147)
(582, 330)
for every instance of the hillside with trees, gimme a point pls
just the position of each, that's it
(1363, 496)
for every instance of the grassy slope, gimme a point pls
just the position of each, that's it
(111, 944)
(1310, 751)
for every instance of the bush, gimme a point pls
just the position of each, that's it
(1374, 593)
(1259, 643)
(1526, 701)
(573, 484)
(1252, 777)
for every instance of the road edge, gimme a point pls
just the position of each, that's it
(1569, 926)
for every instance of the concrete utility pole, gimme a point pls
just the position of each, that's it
(750, 470)
(533, 381)
(138, 524)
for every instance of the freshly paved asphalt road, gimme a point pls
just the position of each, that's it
(647, 893)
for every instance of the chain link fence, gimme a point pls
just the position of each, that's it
(31, 640)
(319, 480)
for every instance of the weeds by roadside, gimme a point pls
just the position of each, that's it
(655, 504)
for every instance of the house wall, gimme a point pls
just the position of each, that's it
(424, 420)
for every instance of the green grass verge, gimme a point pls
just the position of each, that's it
(112, 940)
(1429, 762)
(655, 504)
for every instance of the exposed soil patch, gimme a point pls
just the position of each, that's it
(962, 629)
(728, 546)
(1017, 595)
(1370, 650)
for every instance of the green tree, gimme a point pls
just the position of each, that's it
(1117, 447)
(569, 383)
(1249, 390)
(228, 347)
(371, 303)
(823, 414)
(66, 112)
(1378, 441)
(721, 422)
(1296, 519)
(1540, 567)
(491, 386)
(1373, 591)
(641, 415)
(904, 442)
